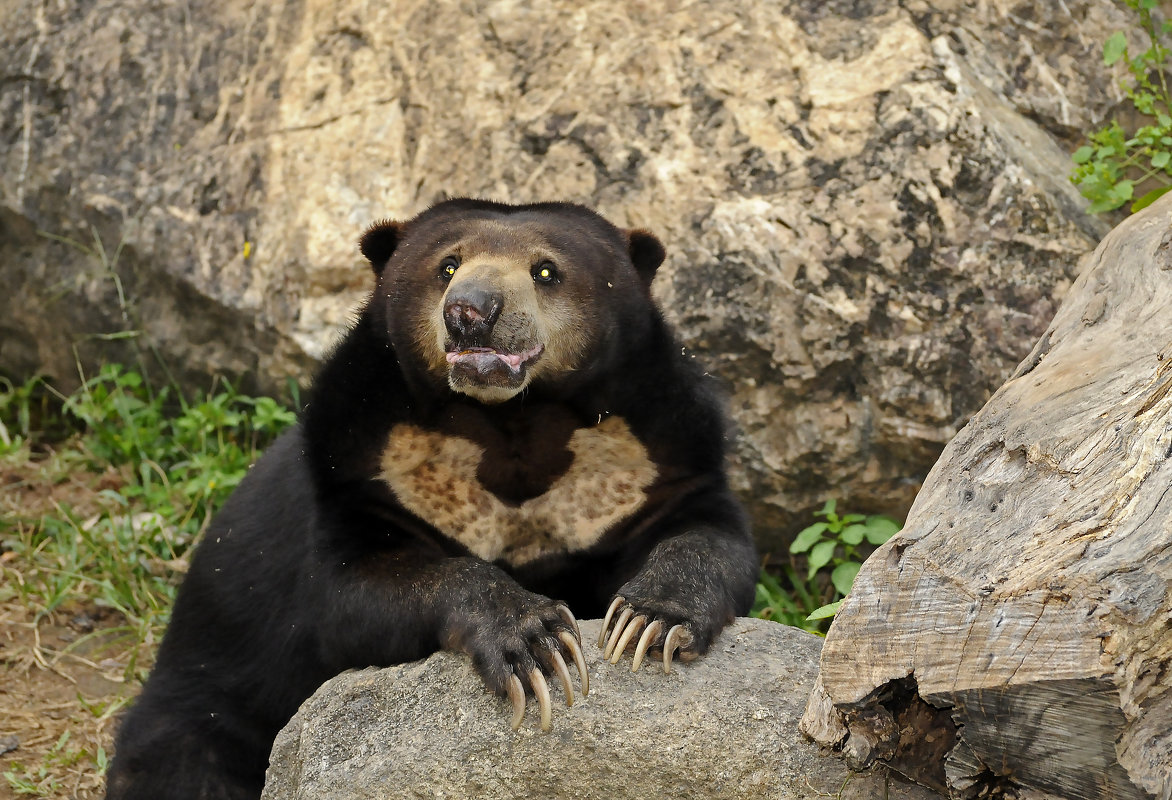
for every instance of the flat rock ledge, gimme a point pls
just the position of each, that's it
(724, 726)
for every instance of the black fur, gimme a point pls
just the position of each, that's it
(312, 567)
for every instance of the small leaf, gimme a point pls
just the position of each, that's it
(763, 597)
(1123, 191)
(769, 583)
(820, 556)
(1160, 159)
(853, 534)
(880, 529)
(1104, 204)
(1114, 48)
(1148, 5)
(828, 508)
(843, 576)
(1149, 198)
(805, 540)
(1083, 154)
(825, 611)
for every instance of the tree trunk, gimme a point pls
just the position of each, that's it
(1017, 635)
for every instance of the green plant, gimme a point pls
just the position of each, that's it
(159, 465)
(787, 599)
(832, 544)
(1114, 163)
(24, 410)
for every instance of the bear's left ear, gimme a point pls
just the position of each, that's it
(647, 253)
(379, 242)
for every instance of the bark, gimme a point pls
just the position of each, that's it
(1018, 632)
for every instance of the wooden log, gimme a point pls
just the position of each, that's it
(1016, 637)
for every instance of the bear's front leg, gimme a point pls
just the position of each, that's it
(381, 608)
(691, 585)
(516, 638)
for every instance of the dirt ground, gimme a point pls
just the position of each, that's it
(60, 677)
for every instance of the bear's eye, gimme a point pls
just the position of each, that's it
(545, 272)
(449, 266)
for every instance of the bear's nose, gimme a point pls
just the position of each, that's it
(471, 313)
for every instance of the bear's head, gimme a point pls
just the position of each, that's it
(489, 299)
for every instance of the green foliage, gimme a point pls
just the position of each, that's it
(790, 604)
(834, 554)
(1113, 163)
(25, 409)
(157, 466)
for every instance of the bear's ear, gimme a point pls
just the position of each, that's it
(379, 242)
(647, 253)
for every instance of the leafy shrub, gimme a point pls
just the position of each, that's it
(1114, 162)
(831, 545)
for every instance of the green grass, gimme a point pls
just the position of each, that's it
(129, 477)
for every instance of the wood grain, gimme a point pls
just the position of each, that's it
(1030, 593)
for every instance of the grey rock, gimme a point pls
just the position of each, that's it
(865, 203)
(723, 726)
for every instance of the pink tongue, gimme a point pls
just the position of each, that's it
(482, 358)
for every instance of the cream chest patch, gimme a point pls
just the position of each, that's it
(434, 476)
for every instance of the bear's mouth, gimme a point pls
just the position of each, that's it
(490, 366)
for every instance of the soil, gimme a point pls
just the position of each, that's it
(62, 674)
(66, 671)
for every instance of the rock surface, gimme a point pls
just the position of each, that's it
(1018, 632)
(864, 202)
(724, 726)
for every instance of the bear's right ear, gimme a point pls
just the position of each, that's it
(646, 251)
(379, 242)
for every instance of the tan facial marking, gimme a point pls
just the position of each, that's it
(434, 476)
(500, 257)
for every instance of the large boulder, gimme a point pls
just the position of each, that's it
(865, 205)
(723, 726)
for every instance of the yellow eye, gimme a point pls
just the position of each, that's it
(448, 267)
(545, 272)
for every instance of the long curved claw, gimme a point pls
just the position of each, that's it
(634, 627)
(617, 632)
(649, 634)
(541, 691)
(516, 694)
(614, 606)
(575, 649)
(568, 616)
(559, 666)
(670, 644)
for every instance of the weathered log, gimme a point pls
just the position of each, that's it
(1018, 633)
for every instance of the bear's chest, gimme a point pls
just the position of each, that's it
(500, 508)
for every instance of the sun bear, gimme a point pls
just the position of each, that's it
(509, 436)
